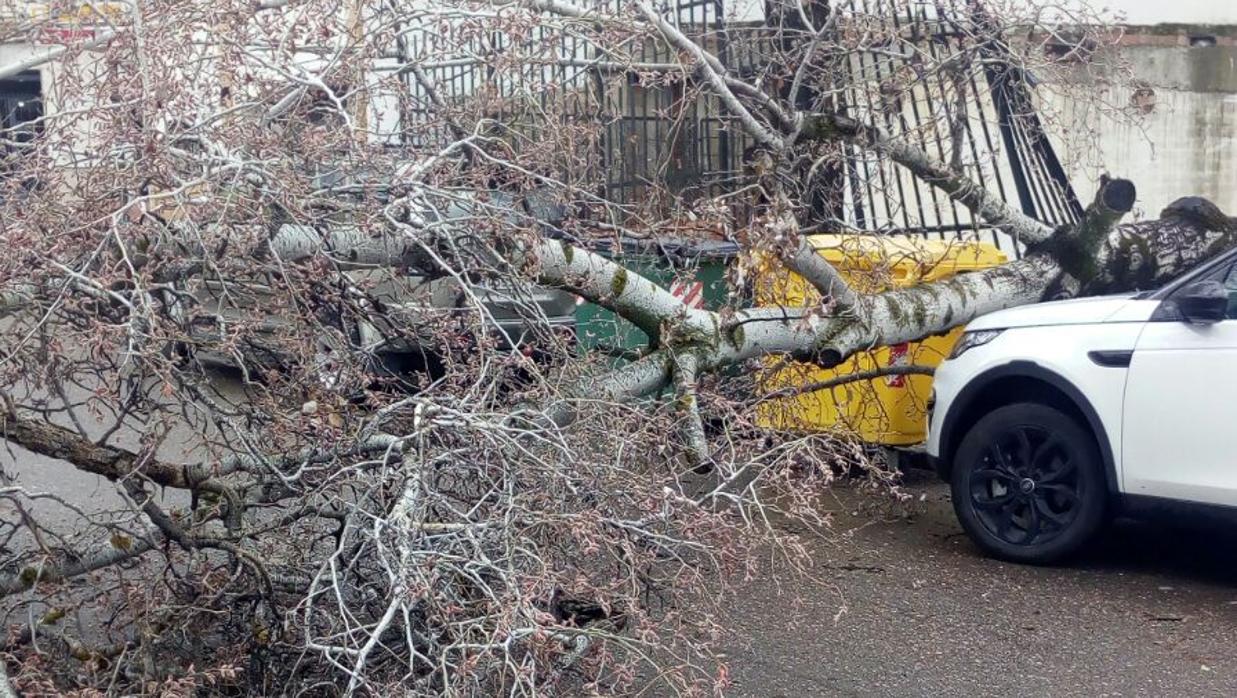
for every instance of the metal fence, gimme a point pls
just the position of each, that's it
(686, 144)
(1002, 140)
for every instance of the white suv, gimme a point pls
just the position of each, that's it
(1047, 419)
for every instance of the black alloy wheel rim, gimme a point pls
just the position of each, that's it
(1026, 487)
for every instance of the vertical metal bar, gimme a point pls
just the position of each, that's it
(946, 18)
(852, 98)
(872, 114)
(1044, 205)
(920, 33)
(1010, 93)
(852, 175)
(915, 184)
(901, 201)
(1052, 166)
(930, 36)
(725, 159)
(1049, 173)
(984, 105)
(639, 120)
(996, 83)
(991, 147)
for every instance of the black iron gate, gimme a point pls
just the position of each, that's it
(688, 144)
(1003, 142)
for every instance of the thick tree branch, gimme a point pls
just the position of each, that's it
(635, 380)
(46, 439)
(986, 205)
(49, 572)
(638, 300)
(686, 365)
(113, 463)
(1077, 248)
(806, 261)
(1149, 254)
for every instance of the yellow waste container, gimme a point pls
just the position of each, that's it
(889, 410)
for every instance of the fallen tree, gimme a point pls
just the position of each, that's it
(474, 521)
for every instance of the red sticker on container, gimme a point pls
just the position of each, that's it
(690, 292)
(898, 356)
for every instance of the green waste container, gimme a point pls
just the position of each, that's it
(694, 270)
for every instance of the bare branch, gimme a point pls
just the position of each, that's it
(855, 377)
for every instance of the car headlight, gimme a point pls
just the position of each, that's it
(970, 340)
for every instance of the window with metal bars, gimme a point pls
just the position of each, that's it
(21, 108)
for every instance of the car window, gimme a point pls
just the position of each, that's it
(1230, 283)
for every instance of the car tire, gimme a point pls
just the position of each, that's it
(1028, 484)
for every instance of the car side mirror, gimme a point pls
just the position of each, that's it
(1203, 303)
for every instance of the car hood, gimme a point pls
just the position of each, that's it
(1076, 311)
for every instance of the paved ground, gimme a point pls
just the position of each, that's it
(1150, 612)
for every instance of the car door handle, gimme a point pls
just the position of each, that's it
(1111, 358)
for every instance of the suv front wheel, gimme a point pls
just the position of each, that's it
(1028, 484)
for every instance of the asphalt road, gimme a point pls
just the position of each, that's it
(903, 605)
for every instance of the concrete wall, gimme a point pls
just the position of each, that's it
(1183, 142)
(1178, 138)
(1150, 12)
